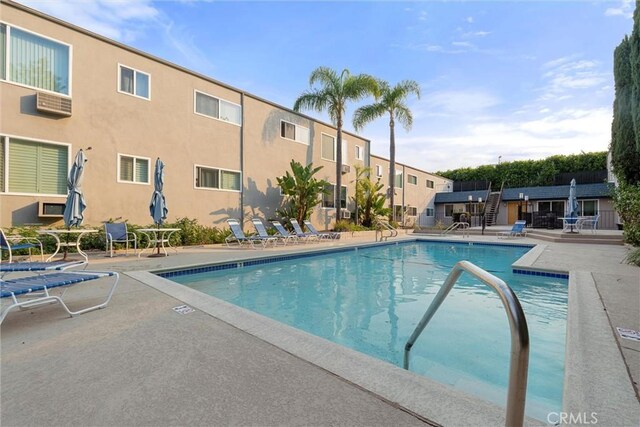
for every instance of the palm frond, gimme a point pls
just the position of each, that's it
(367, 114)
(404, 116)
(316, 100)
(325, 76)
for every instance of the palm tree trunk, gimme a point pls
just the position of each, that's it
(338, 188)
(392, 165)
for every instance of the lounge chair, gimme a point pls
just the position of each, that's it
(284, 234)
(516, 231)
(116, 232)
(262, 232)
(321, 235)
(301, 234)
(13, 243)
(33, 291)
(589, 223)
(38, 266)
(238, 236)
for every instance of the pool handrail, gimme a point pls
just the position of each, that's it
(519, 361)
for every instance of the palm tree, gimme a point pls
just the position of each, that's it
(333, 94)
(390, 100)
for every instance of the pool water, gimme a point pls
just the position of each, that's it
(371, 300)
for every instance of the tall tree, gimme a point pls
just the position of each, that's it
(634, 57)
(333, 93)
(392, 101)
(625, 156)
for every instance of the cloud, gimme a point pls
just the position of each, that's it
(126, 21)
(569, 74)
(469, 19)
(472, 34)
(455, 103)
(625, 10)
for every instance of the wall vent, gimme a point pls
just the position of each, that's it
(53, 104)
(346, 168)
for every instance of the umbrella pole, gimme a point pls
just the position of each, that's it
(66, 246)
(158, 240)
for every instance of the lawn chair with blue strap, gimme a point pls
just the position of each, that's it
(34, 291)
(321, 234)
(301, 234)
(116, 232)
(516, 231)
(263, 234)
(238, 236)
(284, 234)
(14, 243)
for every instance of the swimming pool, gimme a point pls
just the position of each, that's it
(370, 300)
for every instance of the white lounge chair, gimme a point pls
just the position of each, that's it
(320, 234)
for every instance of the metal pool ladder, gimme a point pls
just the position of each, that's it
(519, 363)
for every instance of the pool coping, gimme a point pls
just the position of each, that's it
(427, 399)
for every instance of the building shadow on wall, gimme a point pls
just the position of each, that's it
(261, 204)
(272, 128)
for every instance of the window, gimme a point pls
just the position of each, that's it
(429, 183)
(359, 153)
(327, 199)
(134, 82)
(430, 212)
(294, 132)
(556, 207)
(34, 61)
(217, 108)
(397, 212)
(448, 210)
(412, 211)
(378, 170)
(412, 179)
(399, 180)
(33, 167)
(328, 147)
(588, 207)
(133, 169)
(217, 179)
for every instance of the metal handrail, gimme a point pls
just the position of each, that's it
(519, 361)
(455, 226)
(385, 226)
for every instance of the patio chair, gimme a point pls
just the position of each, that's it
(262, 232)
(116, 232)
(321, 235)
(589, 223)
(238, 236)
(33, 291)
(14, 243)
(283, 233)
(516, 231)
(301, 234)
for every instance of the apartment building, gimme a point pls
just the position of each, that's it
(64, 88)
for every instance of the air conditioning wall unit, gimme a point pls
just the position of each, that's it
(346, 169)
(346, 213)
(53, 104)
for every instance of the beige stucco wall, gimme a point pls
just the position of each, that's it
(165, 126)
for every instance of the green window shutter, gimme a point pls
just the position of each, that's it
(230, 180)
(53, 162)
(23, 166)
(142, 170)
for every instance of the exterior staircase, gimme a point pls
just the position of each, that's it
(492, 206)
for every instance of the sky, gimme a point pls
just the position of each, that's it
(500, 80)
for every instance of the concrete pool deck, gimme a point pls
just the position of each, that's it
(138, 362)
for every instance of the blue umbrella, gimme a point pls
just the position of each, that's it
(158, 206)
(75, 200)
(573, 200)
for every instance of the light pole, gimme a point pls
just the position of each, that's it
(521, 198)
(481, 213)
(526, 207)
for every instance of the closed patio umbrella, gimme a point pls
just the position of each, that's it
(572, 207)
(75, 204)
(158, 206)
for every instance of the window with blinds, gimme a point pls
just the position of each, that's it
(33, 167)
(328, 147)
(217, 179)
(217, 108)
(34, 61)
(399, 180)
(294, 132)
(133, 169)
(328, 197)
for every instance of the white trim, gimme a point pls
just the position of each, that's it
(409, 182)
(135, 70)
(6, 164)
(379, 171)
(296, 132)
(148, 159)
(219, 100)
(335, 152)
(195, 177)
(359, 150)
(8, 55)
